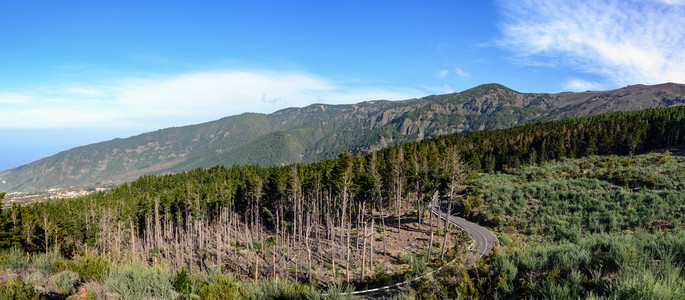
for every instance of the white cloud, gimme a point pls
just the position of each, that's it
(458, 71)
(625, 42)
(674, 2)
(446, 89)
(161, 101)
(579, 85)
(14, 98)
(461, 72)
(442, 74)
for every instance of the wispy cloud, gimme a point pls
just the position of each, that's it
(675, 2)
(461, 72)
(447, 89)
(169, 100)
(577, 84)
(11, 98)
(624, 42)
(457, 71)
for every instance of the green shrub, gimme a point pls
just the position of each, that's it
(505, 240)
(90, 267)
(17, 290)
(406, 258)
(182, 283)
(139, 281)
(17, 259)
(548, 290)
(282, 289)
(640, 283)
(419, 265)
(404, 296)
(223, 289)
(66, 281)
(45, 262)
(334, 292)
(504, 265)
(93, 267)
(382, 277)
(213, 275)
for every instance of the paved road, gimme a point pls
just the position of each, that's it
(483, 238)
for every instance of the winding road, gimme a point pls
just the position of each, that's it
(483, 239)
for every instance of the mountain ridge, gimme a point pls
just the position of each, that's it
(319, 131)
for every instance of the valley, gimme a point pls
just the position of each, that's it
(570, 201)
(316, 132)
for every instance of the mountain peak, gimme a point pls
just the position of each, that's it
(488, 87)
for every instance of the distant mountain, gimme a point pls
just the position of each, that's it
(320, 131)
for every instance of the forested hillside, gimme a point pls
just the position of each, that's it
(328, 222)
(312, 133)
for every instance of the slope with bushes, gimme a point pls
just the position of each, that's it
(592, 228)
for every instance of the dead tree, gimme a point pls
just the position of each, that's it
(455, 171)
(397, 163)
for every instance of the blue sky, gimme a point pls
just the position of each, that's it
(78, 72)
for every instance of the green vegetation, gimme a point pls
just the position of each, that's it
(17, 290)
(598, 266)
(46, 263)
(573, 224)
(89, 267)
(202, 192)
(15, 259)
(599, 194)
(596, 227)
(66, 281)
(140, 281)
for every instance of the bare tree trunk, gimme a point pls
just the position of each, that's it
(287, 256)
(419, 213)
(219, 248)
(158, 227)
(177, 247)
(256, 266)
(296, 254)
(46, 229)
(385, 252)
(356, 244)
(397, 162)
(371, 246)
(457, 176)
(363, 254)
(347, 264)
(430, 244)
(273, 261)
(133, 240)
(30, 226)
(447, 223)
(309, 250)
(333, 259)
(236, 232)
(118, 240)
(398, 203)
